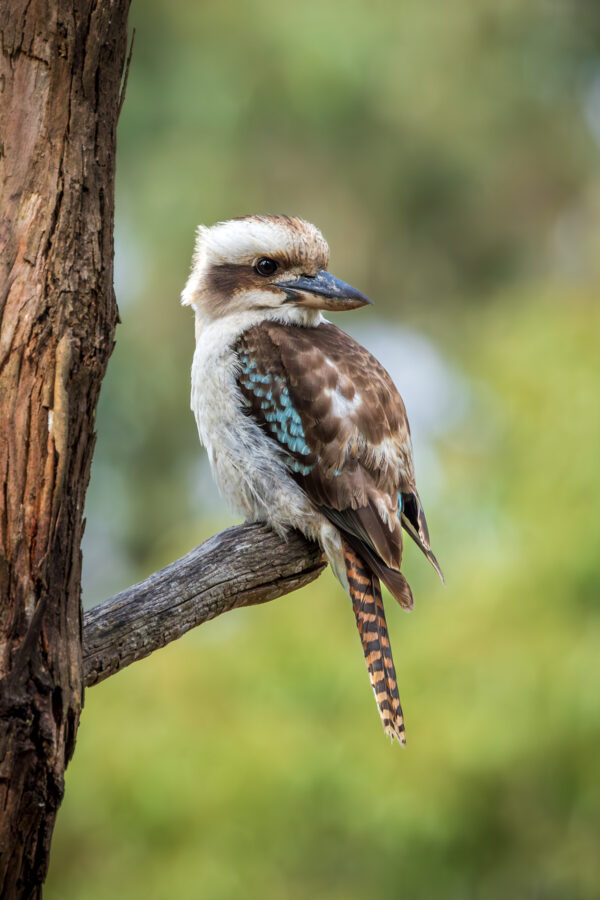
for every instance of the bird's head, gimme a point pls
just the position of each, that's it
(265, 265)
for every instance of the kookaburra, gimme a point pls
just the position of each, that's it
(303, 427)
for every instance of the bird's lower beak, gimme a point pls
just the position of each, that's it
(322, 291)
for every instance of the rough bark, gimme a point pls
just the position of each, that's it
(241, 566)
(60, 71)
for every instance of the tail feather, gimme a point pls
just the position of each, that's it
(365, 592)
(393, 579)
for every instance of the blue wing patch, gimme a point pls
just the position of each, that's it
(270, 394)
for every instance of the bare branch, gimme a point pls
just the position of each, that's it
(241, 566)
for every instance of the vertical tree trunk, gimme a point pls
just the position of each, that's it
(60, 72)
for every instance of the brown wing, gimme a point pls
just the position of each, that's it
(335, 412)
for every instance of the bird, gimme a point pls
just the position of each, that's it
(303, 427)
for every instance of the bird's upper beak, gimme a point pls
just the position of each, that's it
(322, 291)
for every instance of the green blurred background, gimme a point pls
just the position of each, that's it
(450, 154)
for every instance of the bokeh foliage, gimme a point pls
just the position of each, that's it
(449, 156)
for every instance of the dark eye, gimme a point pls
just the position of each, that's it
(266, 266)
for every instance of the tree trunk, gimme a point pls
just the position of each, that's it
(60, 74)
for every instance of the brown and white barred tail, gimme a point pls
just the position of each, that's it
(365, 592)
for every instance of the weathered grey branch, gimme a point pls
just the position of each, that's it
(241, 566)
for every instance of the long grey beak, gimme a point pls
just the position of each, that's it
(322, 291)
